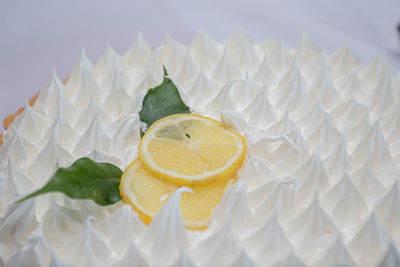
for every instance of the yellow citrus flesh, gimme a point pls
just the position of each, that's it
(189, 149)
(147, 195)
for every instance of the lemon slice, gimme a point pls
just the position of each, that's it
(189, 149)
(147, 195)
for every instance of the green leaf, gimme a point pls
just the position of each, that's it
(162, 101)
(85, 179)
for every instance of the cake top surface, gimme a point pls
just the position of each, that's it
(319, 186)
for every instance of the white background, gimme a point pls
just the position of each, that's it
(37, 36)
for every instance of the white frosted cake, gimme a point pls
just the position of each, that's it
(318, 188)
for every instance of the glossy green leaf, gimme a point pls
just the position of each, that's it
(85, 179)
(162, 101)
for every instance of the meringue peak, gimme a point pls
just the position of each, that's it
(202, 90)
(260, 111)
(17, 222)
(61, 223)
(89, 246)
(292, 260)
(309, 115)
(237, 39)
(354, 86)
(358, 130)
(256, 172)
(93, 138)
(87, 90)
(87, 116)
(280, 58)
(269, 242)
(336, 255)
(339, 161)
(106, 66)
(36, 252)
(245, 56)
(315, 72)
(118, 99)
(223, 241)
(243, 260)
(312, 178)
(167, 223)
(17, 148)
(30, 124)
(234, 207)
(369, 243)
(388, 210)
(294, 95)
(139, 54)
(270, 196)
(81, 65)
(376, 69)
(313, 229)
(183, 260)
(14, 184)
(325, 91)
(49, 94)
(374, 149)
(281, 127)
(346, 204)
(264, 73)
(391, 257)
(225, 70)
(204, 50)
(188, 72)
(132, 257)
(343, 61)
(368, 183)
(349, 112)
(324, 136)
(383, 99)
(121, 227)
(304, 43)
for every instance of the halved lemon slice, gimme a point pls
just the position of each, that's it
(189, 149)
(147, 195)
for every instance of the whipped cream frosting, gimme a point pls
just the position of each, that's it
(319, 186)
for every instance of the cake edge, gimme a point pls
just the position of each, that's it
(10, 118)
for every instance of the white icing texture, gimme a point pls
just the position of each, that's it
(319, 186)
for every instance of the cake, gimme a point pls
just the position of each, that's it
(318, 188)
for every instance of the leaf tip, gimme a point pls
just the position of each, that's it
(165, 71)
(23, 199)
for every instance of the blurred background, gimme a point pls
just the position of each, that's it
(37, 36)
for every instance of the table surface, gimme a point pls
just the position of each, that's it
(37, 36)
